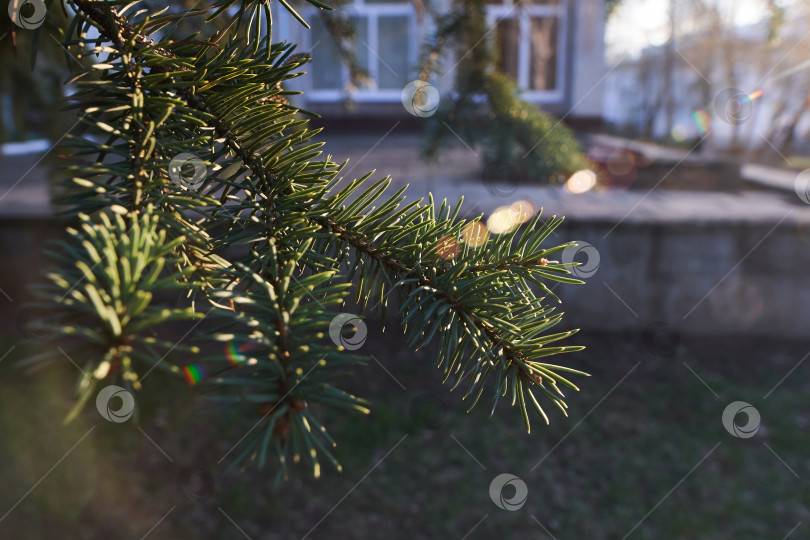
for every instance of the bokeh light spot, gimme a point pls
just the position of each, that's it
(447, 247)
(475, 234)
(679, 133)
(503, 220)
(621, 162)
(581, 181)
(523, 210)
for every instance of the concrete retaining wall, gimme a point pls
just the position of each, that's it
(710, 278)
(700, 278)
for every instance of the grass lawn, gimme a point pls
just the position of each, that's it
(643, 455)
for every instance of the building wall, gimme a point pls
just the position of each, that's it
(579, 58)
(588, 66)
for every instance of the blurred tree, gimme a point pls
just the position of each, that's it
(611, 6)
(708, 54)
(30, 98)
(519, 140)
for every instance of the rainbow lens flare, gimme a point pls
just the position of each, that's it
(193, 374)
(235, 352)
(702, 121)
(752, 96)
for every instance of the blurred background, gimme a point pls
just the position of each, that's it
(689, 195)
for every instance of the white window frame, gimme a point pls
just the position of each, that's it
(524, 14)
(372, 12)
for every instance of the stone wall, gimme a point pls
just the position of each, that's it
(703, 278)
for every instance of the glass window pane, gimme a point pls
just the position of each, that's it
(326, 67)
(361, 39)
(543, 72)
(507, 34)
(393, 67)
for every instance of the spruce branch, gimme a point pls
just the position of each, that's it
(264, 242)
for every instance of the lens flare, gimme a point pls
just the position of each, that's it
(752, 96)
(621, 162)
(447, 247)
(503, 220)
(581, 181)
(524, 211)
(506, 219)
(702, 121)
(193, 374)
(475, 234)
(679, 133)
(234, 352)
